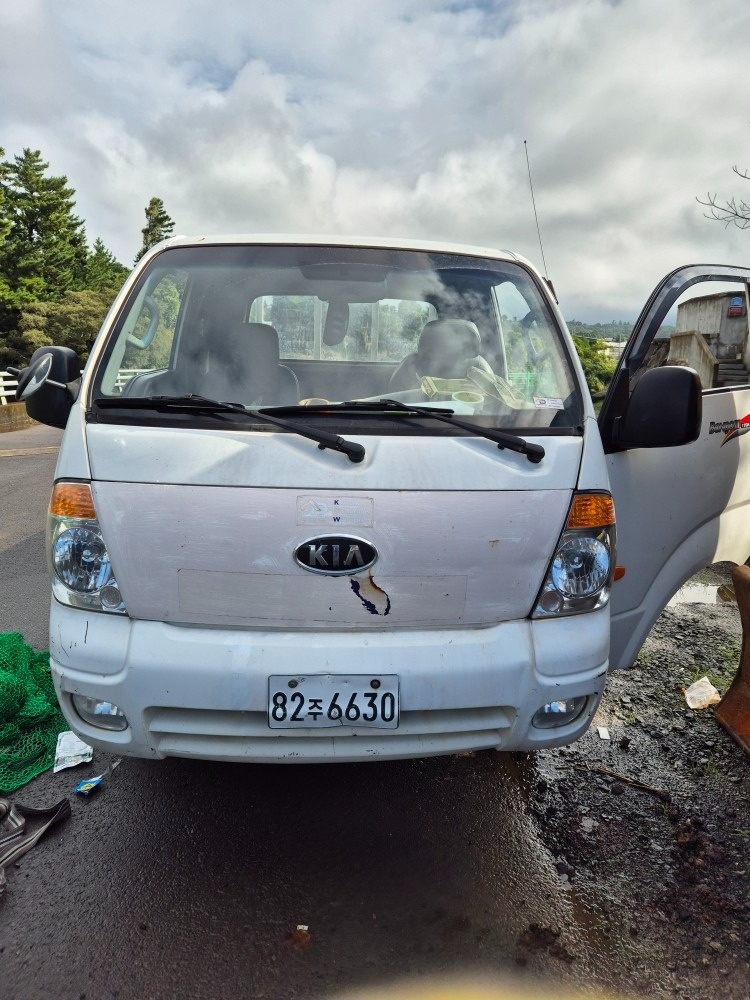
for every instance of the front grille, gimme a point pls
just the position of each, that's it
(232, 735)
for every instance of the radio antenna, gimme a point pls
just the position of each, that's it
(533, 203)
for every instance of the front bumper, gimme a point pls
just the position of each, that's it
(202, 692)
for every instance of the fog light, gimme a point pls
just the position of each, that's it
(102, 714)
(559, 713)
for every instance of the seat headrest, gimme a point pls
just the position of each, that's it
(244, 363)
(444, 344)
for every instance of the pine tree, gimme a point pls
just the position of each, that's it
(44, 253)
(103, 271)
(4, 220)
(158, 226)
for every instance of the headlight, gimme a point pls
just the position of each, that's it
(81, 560)
(81, 572)
(580, 566)
(580, 574)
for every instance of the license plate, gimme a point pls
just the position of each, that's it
(327, 701)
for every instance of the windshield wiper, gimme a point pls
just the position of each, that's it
(513, 442)
(192, 403)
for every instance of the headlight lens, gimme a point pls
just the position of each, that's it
(580, 566)
(81, 560)
(82, 574)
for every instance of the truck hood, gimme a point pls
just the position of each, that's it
(202, 527)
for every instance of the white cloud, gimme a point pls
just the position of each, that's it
(401, 117)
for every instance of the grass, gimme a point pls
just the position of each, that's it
(730, 655)
(725, 661)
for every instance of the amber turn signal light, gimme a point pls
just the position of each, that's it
(72, 500)
(591, 510)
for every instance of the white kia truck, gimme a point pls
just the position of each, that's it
(340, 500)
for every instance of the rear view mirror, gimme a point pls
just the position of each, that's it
(31, 379)
(49, 385)
(664, 410)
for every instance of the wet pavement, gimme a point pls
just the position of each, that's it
(187, 879)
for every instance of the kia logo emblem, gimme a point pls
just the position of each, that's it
(336, 555)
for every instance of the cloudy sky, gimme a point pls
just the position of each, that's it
(398, 117)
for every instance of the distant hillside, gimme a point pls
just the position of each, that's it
(616, 330)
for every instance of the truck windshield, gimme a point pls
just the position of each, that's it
(286, 325)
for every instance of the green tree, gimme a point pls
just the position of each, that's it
(74, 322)
(44, 252)
(103, 271)
(598, 367)
(4, 220)
(158, 226)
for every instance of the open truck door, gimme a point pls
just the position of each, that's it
(681, 507)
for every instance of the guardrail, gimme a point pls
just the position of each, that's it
(9, 382)
(125, 374)
(8, 385)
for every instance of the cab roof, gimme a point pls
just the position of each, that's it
(389, 243)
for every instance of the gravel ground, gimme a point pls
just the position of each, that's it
(661, 875)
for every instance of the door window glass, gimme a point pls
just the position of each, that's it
(705, 330)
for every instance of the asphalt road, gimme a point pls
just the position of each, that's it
(188, 879)
(27, 465)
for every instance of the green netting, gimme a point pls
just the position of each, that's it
(30, 720)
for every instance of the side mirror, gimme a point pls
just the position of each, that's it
(49, 385)
(664, 410)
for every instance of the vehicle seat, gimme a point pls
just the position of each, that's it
(243, 367)
(446, 349)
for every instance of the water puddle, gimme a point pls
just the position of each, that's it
(701, 593)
